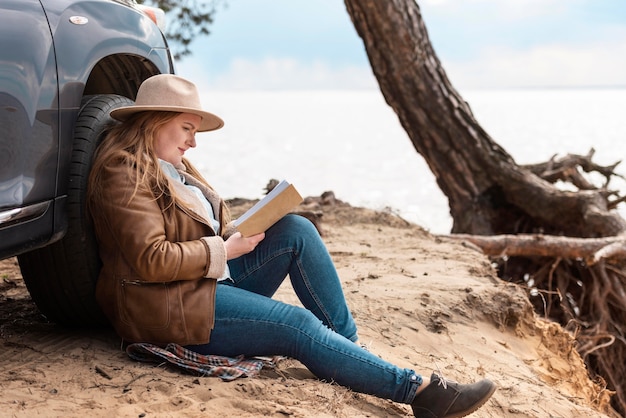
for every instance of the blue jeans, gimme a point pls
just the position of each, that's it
(321, 335)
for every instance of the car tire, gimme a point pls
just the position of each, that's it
(61, 277)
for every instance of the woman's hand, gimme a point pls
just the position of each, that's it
(236, 245)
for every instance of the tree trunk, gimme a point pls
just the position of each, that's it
(489, 194)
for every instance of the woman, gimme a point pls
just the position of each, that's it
(175, 271)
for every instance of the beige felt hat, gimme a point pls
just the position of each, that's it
(170, 93)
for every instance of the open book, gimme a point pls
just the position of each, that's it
(266, 212)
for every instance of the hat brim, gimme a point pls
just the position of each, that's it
(210, 122)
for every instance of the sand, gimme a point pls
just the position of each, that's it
(420, 301)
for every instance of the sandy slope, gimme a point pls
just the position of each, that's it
(420, 301)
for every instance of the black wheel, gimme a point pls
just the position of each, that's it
(61, 277)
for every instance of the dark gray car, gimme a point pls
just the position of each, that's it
(63, 65)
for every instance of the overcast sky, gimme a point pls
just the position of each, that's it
(312, 44)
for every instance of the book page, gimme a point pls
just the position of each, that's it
(277, 203)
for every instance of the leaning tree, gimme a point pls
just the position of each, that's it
(569, 246)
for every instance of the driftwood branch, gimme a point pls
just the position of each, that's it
(592, 250)
(568, 168)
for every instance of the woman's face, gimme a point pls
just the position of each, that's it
(175, 137)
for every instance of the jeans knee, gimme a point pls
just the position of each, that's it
(300, 224)
(295, 220)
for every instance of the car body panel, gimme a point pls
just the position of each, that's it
(52, 52)
(28, 83)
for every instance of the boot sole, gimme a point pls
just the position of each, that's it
(480, 403)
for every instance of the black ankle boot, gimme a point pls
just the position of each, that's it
(448, 399)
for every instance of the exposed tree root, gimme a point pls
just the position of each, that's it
(577, 282)
(591, 250)
(580, 283)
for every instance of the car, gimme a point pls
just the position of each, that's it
(64, 64)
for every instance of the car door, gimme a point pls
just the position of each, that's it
(28, 109)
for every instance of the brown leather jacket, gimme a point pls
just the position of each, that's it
(158, 278)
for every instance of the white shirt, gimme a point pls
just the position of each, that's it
(170, 170)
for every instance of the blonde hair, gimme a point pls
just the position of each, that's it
(131, 143)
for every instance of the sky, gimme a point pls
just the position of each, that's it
(482, 44)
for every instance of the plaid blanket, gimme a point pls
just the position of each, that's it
(226, 368)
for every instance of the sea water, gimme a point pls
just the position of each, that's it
(351, 142)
